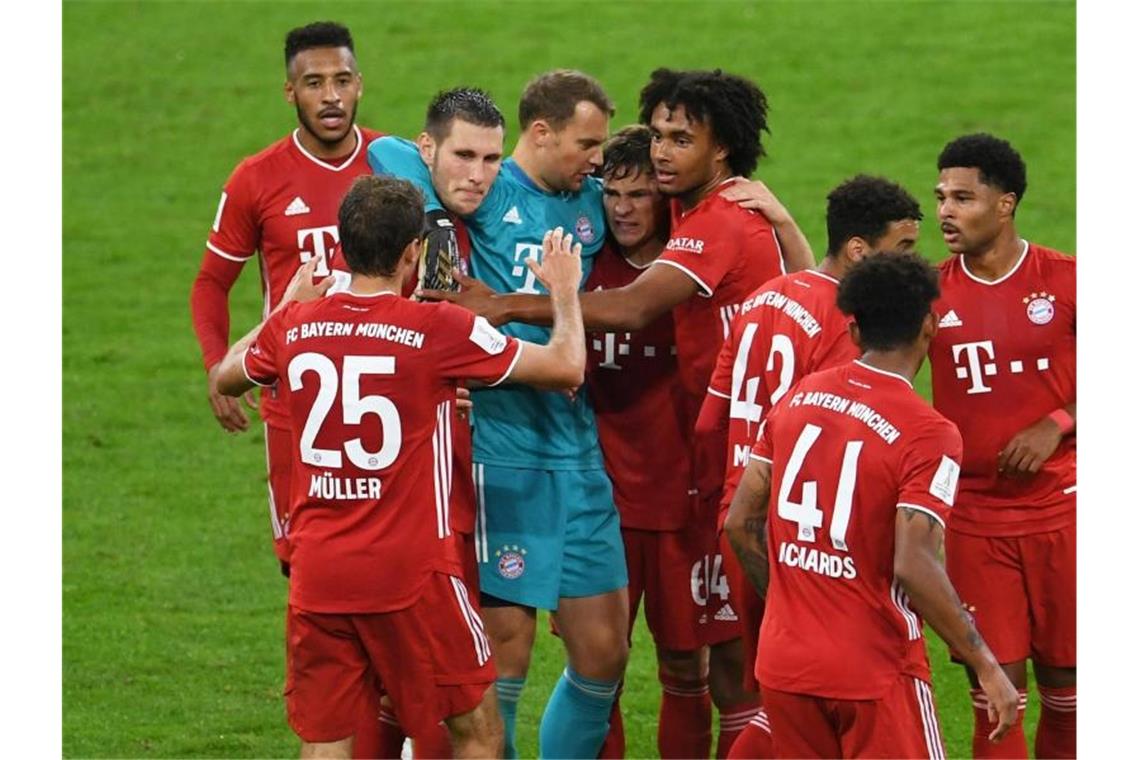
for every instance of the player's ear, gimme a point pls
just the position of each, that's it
(426, 145)
(290, 93)
(540, 132)
(1007, 204)
(411, 252)
(855, 249)
(853, 333)
(721, 153)
(930, 326)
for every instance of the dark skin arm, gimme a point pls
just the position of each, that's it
(1027, 451)
(632, 307)
(747, 523)
(919, 570)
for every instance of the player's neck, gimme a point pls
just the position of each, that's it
(899, 361)
(998, 258)
(644, 252)
(833, 266)
(690, 198)
(363, 285)
(527, 160)
(323, 150)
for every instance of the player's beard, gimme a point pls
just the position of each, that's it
(308, 126)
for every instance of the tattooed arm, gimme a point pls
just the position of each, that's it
(747, 521)
(919, 570)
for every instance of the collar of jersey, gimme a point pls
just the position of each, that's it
(524, 179)
(331, 167)
(368, 295)
(1004, 277)
(878, 371)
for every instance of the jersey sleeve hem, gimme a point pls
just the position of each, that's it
(920, 508)
(759, 458)
(719, 394)
(225, 255)
(249, 377)
(706, 291)
(511, 367)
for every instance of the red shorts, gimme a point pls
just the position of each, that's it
(749, 608)
(1022, 592)
(433, 660)
(904, 723)
(279, 460)
(720, 618)
(466, 543)
(662, 567)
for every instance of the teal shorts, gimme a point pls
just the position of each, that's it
(541, 535)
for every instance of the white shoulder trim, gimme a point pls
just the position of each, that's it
(759, 458)
(706, 291)
(229, 256)
(818, 273)
(895, 375)
(511, 367)
(920, 508)
(714, 392)
(245, 371)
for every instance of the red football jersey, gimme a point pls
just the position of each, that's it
(281, 204)
(1004, 357)
(789, 328)
(848, 447)
(729, 252)
(641, 410)
(372, 388)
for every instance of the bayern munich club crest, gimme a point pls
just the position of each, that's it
(1039, 308)
(512, 562)
(583, 230)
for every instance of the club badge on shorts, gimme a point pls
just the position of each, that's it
(1039, 308)
(583, 230)
(512, 562)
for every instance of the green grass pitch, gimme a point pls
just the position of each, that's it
(173, 606)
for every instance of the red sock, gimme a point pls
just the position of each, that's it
(1012, 746)
(684, 725)
(433, 745)
(1057, 728)
(733, 719)
(380, 737)
(755, 741)
(613, 748)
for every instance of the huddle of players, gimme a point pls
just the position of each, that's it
(718, 259)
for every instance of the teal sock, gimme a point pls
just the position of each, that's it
(508, 691)
(577, 716)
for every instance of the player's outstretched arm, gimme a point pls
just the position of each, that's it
(919, 570)
(747, 523)
(561, 363)
(632, 307)
(755, 195)
(231, 377)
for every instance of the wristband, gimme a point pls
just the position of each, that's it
(1064, 420)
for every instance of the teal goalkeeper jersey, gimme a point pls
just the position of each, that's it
(518, 426)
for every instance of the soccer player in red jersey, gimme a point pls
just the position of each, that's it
(462, 147)
(706, 129)
(789, 328)
(375, 589)
(1004, 370)
(640, 408)
(281, 204)
(863, 474)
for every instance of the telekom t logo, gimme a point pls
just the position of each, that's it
(975, 369)
(322, 240)
(524, 251)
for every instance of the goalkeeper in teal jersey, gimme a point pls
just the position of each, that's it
(547, 530)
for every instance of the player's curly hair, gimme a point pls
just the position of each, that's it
(469, 104)
(998, 164)
(864, 207)
(316, 35)
(735, 109)
(626, 153)
(378, 218)
(889, 295)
